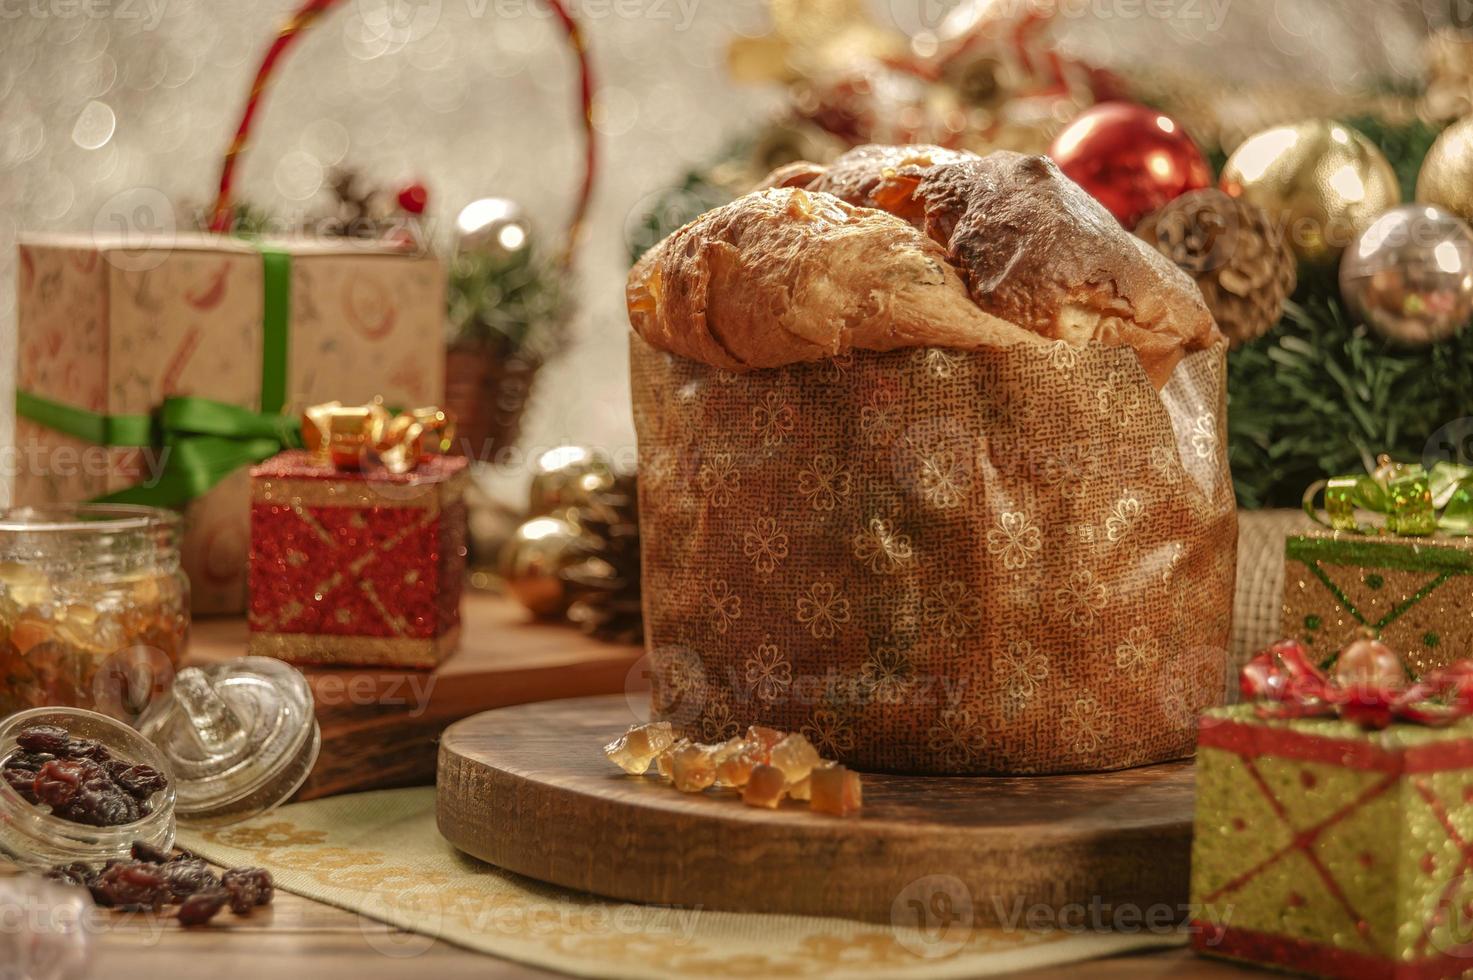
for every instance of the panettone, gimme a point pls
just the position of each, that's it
(932, 469)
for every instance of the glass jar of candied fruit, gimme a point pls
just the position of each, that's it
(94, 607)
(99, 804)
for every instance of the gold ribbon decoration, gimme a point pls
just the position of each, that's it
(1415, 501)
(346, 437)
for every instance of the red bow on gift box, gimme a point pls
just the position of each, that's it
(1369, 685)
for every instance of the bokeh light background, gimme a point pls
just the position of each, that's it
(101, 98)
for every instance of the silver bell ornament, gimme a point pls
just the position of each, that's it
(494, 227)
(1409, 275)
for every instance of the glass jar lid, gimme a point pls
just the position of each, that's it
(240, 738)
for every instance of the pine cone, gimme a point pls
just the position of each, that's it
(1240, 261)
(603, 579)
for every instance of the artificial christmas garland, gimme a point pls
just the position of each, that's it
(1316, 393)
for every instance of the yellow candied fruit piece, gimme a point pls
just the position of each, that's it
(636, 749)
(735, 759)
(766, 787)
(835, 789)
(692, 768)
(765, 737)
(24, 585)
(795, 756)
(31, 631)
(665, 759)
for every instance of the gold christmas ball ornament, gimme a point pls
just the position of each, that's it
(1409, 276)
(532, 562)
(1235, 253)
(568, 476)
(1320, 181)
(1446, 177)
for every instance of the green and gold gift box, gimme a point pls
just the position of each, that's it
(1327, 848)
(1415, 593)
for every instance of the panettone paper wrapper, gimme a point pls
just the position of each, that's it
(1415, 593)
(1015, 560)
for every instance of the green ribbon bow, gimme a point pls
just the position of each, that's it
(201, 441)
(1415, 501)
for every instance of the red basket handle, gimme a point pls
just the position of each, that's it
(224, 211)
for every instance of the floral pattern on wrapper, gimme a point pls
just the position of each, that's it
(966, 561)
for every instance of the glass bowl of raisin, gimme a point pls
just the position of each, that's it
(78, 786)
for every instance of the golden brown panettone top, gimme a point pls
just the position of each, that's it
(885, 177)
(1037, 250)
(787, 274)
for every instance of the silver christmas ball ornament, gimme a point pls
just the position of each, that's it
(1409, 275)
(492, 226)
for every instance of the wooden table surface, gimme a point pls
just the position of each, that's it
(300, 937)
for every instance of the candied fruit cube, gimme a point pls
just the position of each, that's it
(636, 749)
(765, 737)
(665, 760)
(734, 761)
(795, 756)
(802, 789)
(692, 768)
(835, 789)
(765, 787)
(24, 584)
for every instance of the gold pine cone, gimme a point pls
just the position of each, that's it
(1241, 262)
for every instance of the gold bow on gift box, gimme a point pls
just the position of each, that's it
(346, 436)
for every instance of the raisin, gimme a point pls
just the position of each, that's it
(139, 782)
(59, 782)
(105, 806)
(43, 738)
(187, 878)
(71, 874)
(147, 853)
(23, 782)
(79, 778)
(131, 885)
(248, 887)
(201, 907)
(32, 761)
(86, 748)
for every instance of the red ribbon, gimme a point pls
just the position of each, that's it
(1287, 684)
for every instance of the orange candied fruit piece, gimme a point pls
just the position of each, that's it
(835, 789)
(766, 787)
(692, 768)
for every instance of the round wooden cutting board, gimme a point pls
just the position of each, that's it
(527, 788)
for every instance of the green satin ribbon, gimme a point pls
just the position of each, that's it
(201, 441)
(1414, 501)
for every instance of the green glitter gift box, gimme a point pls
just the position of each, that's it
(1330, 849)
(1416, 593)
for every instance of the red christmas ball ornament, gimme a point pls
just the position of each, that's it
(1130, 158)
(414, 198)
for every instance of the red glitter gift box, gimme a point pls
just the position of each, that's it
(356, 568)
